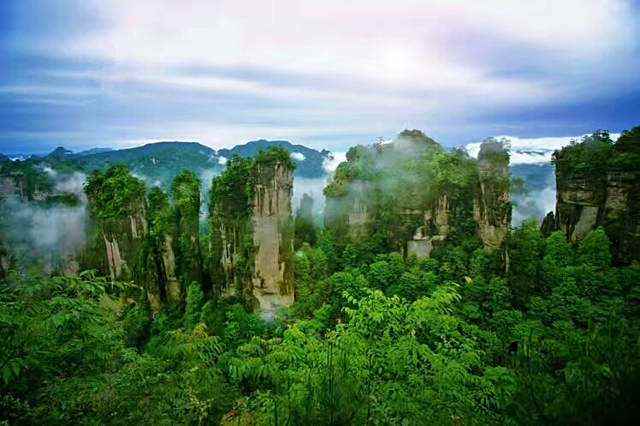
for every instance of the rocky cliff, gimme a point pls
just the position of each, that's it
(122, 238)
(5, 260)
(433, 231)
(132, 238)
(185, 191)
(273, 237)
(252, 230)
(492, 204)
(421, 195)
(159, 257)
(598, 184)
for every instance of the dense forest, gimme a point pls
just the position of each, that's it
(412, 301)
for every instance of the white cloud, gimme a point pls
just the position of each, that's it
(48, 170)
(532, 150)
(334, 66)
(222, 160)
(376, 39)
(298, 156)
(331, 163)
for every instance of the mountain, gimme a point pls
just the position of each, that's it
(309, 162)
(94, 151)
(158, 163)
(60, 153)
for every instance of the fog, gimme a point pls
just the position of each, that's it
(539, 195)
(47, 236)
(314, 188)
(535, 204)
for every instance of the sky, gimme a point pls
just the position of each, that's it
(326, 74)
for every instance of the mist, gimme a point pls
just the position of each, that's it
(46, 236)
(313, 187)
(539, 195)
(535, 204)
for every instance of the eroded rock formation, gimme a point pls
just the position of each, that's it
(252, 231)
(598, 184)
(185, 191)
(492, 204)
(433, 232)
(421, 195)
(133, 236)
(122, 239)
(5, 260)
(273, 237)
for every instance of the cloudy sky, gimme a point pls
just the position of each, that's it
(84, 73)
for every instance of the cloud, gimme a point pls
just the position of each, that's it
(222, 160)
(330, 164)
(298, 156)
(330, 74)
(531, 150)
(73, 183)
(534, 205)
(47, 235)
(313, 187)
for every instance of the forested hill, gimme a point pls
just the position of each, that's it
(309, 162)
(160, 162)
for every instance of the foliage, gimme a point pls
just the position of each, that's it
(588, 157)
(311, 167)
(28, 178)
(114, 194)
(158, 162)
(545, 333)
(185, 191)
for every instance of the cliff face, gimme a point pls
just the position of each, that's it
(273, 238)
(5, 261)
(252, 231)
(122, 240)
(159, 267)
(420, 195)
(492, 204)
(168, 268)
(579, 202)
(186, 217)
(350, 215)
(598, 184)
(433, 231)
(133, 236)
(622, 214)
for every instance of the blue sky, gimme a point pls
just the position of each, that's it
(326, 74)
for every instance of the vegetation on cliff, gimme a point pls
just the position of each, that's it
(391, 190)
(236, 199)
(114, 194)
(185, 191)
(597, 183)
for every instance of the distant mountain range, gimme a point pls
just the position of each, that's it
(158, 163)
